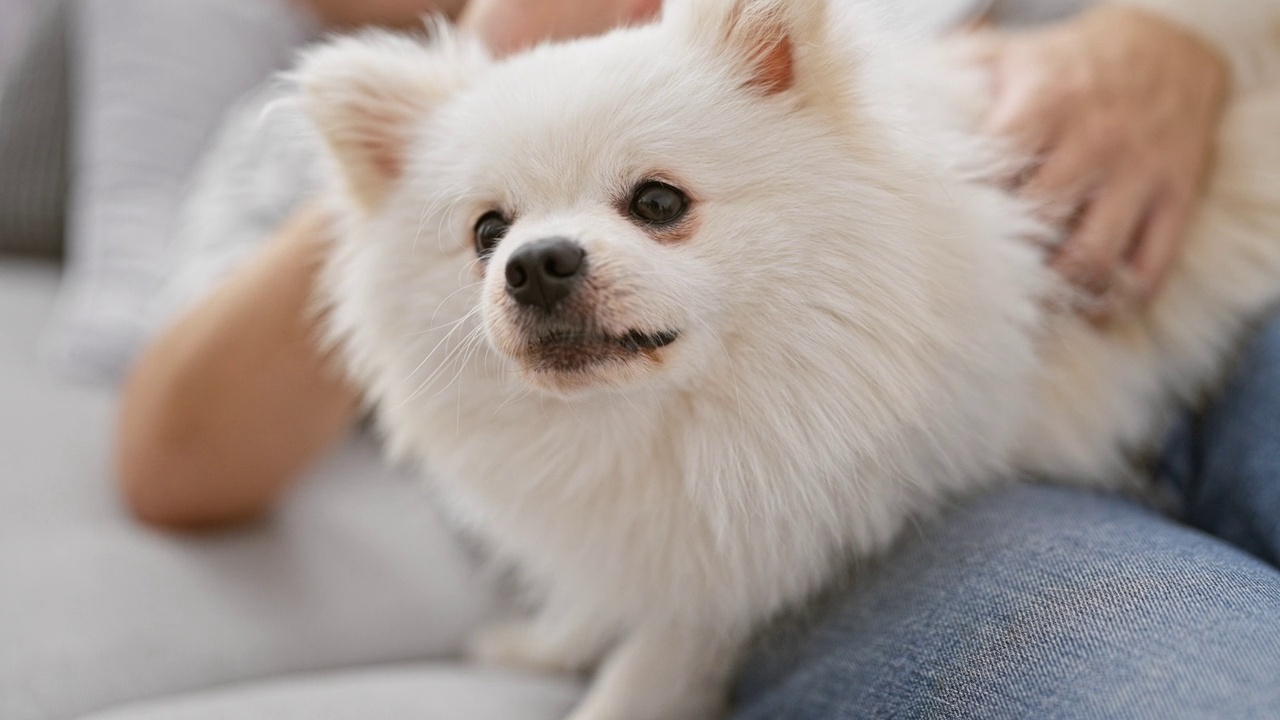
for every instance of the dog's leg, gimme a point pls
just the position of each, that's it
(661, 673)
(547, 643)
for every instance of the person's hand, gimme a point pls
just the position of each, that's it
(511, 25)
(1118, 110)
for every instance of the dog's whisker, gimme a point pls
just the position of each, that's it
(426, 383)
(416, 333)
(647, 420)
(431, 353)
(447, 219)
(469, 269)
(474, 309)
(452, 354)
(471, 344)
(430, 207)
(519, 394)
(441, 342)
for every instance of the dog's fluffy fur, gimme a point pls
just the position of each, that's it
(866, 325)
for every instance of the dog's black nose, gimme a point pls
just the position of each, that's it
(544, 272)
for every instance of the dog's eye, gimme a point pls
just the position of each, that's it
(656, 203)
(488, 232)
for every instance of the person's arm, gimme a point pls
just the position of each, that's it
(235, 400)
(387, 13)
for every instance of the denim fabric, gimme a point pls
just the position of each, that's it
(1225, 462)
(1037, 602)
(1041, 602)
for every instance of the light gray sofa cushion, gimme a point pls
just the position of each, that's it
(401, 693)
(356, 568)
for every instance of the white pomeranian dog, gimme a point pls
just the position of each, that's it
(685, 317)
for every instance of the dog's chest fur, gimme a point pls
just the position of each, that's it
(651, 503)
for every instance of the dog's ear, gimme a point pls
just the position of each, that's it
(767, 36)
(368, 95)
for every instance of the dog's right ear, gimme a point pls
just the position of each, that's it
(369, 94)
(774, 41)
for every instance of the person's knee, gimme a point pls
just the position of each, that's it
(1037, 602)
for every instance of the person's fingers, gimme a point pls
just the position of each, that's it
(1021, 116)
(1159, 245)
(1028, 142)
(1094, 253)
(1064, 180)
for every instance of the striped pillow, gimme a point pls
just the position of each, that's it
(151, 82)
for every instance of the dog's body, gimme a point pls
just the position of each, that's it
(847, 324)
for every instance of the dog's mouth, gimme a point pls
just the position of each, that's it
(636, 341)
(562, 351)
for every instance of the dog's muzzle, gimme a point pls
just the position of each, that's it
(557, 322)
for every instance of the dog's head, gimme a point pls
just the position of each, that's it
(620, 210)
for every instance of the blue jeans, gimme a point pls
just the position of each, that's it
(1041, 602)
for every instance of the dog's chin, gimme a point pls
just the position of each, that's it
(572, 363)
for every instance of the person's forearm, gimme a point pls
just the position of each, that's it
(388, 13)
(1246, 32)
(232, 403)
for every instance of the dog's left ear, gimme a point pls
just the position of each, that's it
(768, 38)
(370, 94)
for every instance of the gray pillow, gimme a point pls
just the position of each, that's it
(33, 139)
(152, 80)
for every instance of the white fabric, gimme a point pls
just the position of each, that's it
(402, 693)
(154, 78)
(264, 163)
(355, 569)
